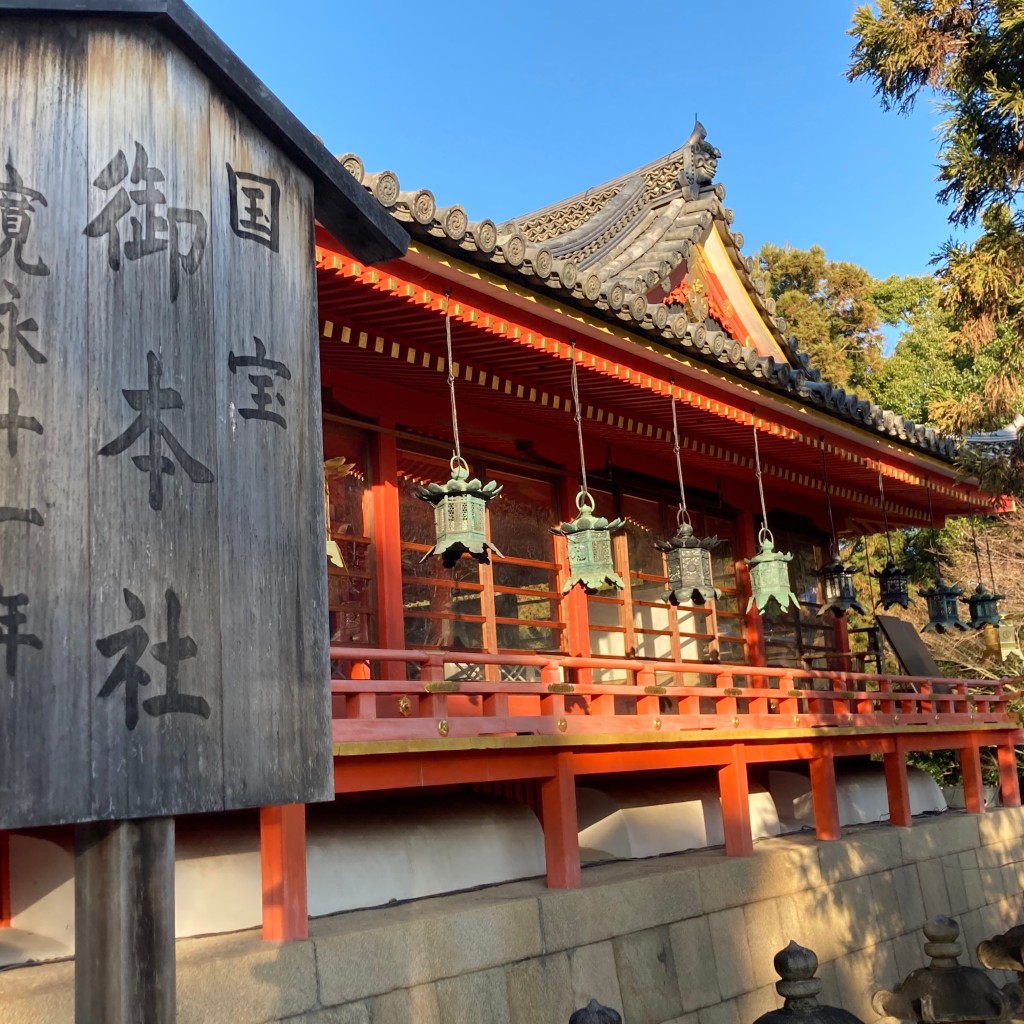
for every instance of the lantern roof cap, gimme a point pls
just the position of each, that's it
(343, 208)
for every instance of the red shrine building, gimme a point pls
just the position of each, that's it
(493, 680)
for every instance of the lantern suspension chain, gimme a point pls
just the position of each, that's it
(974, 543)
(991, 571)
(457, 460)
(584, 493)
(885, 514)
(828, 501)
(684, 515)
(764, 532)
(935, 540)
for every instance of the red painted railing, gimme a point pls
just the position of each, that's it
(700, 697)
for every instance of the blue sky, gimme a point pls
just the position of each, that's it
(506, 107)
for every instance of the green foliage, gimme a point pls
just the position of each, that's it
(968, 55)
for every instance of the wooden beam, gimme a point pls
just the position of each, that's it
(561, 832)
(1009, 780)
(896, 785)
(283, 867)
(824, 795)
(735, 793)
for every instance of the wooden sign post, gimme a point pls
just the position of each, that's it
(163, 621)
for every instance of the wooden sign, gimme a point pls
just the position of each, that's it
(163, 619)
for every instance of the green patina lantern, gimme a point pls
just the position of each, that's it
(984, 607)
(688, 567)
(589, 537)
(460, 515)
(943, 612)
(769, 576)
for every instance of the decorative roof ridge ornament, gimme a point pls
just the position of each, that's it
(700, 161)
(591, 563)
(687, 558)
(893, 587)
(769, 569)
(460, 505)
(836, 577)
(943, 613)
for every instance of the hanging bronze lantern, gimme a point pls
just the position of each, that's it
(840, 593)
(460, 515)
(984, 607)
(943, 613)
(589, 537)
(893, 586)
(688, 567)
(836, 578)
(769, 576)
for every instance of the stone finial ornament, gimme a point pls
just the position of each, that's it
(944, 992)
(799, 987)
(595, 1013)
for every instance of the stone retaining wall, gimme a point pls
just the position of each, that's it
(687, 939)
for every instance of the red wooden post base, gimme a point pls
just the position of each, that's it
(1009, 782)
(970, 769)
(5, 880)
(283, 864)
(823, 794)
(561, 832)
(896, 786)
(734, 789)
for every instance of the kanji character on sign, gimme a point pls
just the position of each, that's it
(16, 211)
(154, 232)
(254, 207)
(262, 382)
(11, 637)
(9, 514)
(131, 644)
(16, 332)
(150, 403)
(12, 422)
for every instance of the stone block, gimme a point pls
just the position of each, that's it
(862, 854)
(762, 1000)
(691, 947)
(44, 994)
(765, 937)
(907, 882)
(647, 977)
(909, 953)
(614, 903)
(1001, 825)
(720, 1013)
(472, 998)
(731, 954)
(418, 943)
(829, 994)
(955, 887)
(934, 893)
(416, 1005)
(854, 926)
(539, 989)
(737, 881)
(818, 923)
(862, 973)
(240, 978)
(686, 1018)
(994, 884)
(949, 833)
(352, 1013)
(886, 918)
(973, 929)
(974, 892)
(592, 976)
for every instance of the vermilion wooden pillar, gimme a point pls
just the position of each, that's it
(823, 794)
(746, 542)
(843, 643)
(896, 786)
(387, 549)
(575, 613)
(283, 866)
(1009, 782)
(5, 880)
(561, 832)
(970, 770)
(734, 789)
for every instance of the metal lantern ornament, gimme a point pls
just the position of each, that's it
(836, 577)
(589, 537)
(943, 610)
(769, 569)
(460, 505)
(893, 586)
(984, 606)
(687, 558)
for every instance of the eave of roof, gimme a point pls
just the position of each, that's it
(341, 206)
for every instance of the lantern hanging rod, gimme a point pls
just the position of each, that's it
(451, 375)
(760, 486)
(828, 500)
(578, 418)
(684, 515)
(885, 514)
(991, 571)
(931, 518)
(974, 544)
